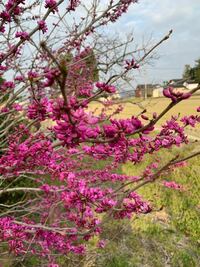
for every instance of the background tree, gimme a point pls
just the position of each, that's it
(187, 72)
(195, 71)
(192, 73)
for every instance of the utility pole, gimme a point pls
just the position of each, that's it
(145, 84)
(145, 91)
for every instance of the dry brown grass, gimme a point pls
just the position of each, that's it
(186, 107)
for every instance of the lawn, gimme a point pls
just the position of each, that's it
(184, 108)
(169, 236)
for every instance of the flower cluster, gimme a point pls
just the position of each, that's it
(172, 185)
(106, 87)
(52, 4)
(22, 35)
(120, 9)
(51, 74)
(73, 5)
(175, 96)
(42, 26)
(38, 109)
(191, 120)
(131, 64)
(12, 10)
(7, 86)
(16, 234)
(80, 130)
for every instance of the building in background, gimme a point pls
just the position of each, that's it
(148, 90)
(191, 84)
(183, 85)
(156, 90)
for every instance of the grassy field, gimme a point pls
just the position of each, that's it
(169, 236)
(184, 108)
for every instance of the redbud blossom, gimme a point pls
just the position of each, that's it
(73, 5)
(22, 35)
(172, 185)
(51, 4)
(175, 96)
(131, 64)
(42, 26)
(105, 87)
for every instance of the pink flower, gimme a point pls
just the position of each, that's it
(32, 75)
(4, 109)
(131, 64)
(22, 35)
(38, 109)
(110, 130)
(2, 29)
(144, 117)
(191, 120)
(42, 26)
(19, 78)
(105, 87)
(51, 4)
(73, 4)
(101, 244)
(5, 16)
(175, 96)
(17, 107)
(172, 185)
(7, 85)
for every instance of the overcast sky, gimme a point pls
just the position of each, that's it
(157, 17)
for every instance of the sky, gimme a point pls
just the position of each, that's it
(155, 18)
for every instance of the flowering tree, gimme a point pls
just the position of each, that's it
(63, 200)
